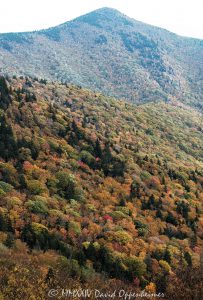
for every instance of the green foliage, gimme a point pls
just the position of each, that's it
(122, 237)
(10, 241)
(141, 227)
(9, 173)
(6, 187)
(165, 266)
(88, 159)
(136, 267)
(75, 226)
(188, 258)
(118, 215)
(36, 187)
(37, 206)
(68, 187)
(5, 98)
(8, 146)
(183, 208)
(135, 189)
(36, 235)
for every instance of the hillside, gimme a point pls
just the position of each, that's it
(84, 199)
(111, 53)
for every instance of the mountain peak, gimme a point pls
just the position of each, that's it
(107, 10)
(104, 13)
(110, 52)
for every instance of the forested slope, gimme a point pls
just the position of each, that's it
(93, 187)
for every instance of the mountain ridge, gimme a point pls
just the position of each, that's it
(102, 9)
(111, 53)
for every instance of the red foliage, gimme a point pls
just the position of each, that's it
(107, 218)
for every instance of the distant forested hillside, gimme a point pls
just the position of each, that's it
(111, 53)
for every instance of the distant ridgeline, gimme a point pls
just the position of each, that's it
(108, 52)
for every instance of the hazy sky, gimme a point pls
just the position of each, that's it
(181, 16)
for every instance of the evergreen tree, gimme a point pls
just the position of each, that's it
(50, 276)
(159, 214)
(98, 150)
(122, 202)
(188, 258)
(8, 145)
(76, 134)
(9, 242)
(107, 160)
(167, 256)
(5, 98)
(151, 202)
(135, 190)
(3, 223)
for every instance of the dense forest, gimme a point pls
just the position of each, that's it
(107, 51)
(98, 192)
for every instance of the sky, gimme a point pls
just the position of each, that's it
(183, 17)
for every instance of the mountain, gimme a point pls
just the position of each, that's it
(86, 202)
(111, 53)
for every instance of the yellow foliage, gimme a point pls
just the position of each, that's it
(151, 288)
